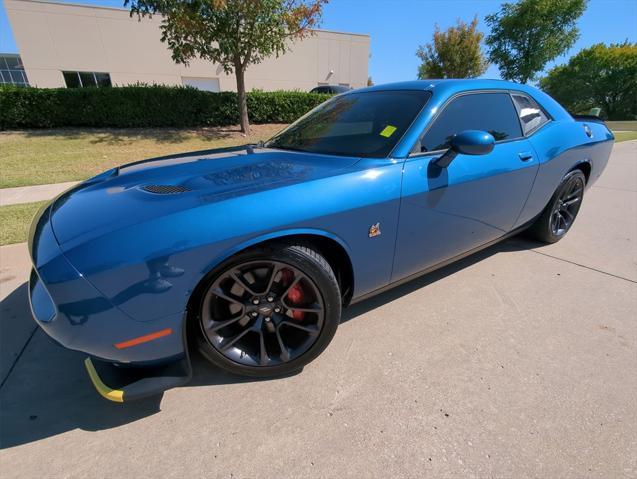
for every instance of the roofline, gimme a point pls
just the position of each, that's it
(101, 7)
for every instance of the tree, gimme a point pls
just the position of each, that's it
(454, 53)
(231, 33)
(526, 35)
(599, 76)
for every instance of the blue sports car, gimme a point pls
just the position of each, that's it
(251, 252)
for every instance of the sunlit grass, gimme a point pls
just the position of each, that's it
(625, 135)
(39, 157)
(15, 221)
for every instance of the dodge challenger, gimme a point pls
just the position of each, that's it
(249, 254)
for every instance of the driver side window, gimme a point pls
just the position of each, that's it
(490, 112)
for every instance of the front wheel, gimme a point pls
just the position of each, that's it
(559, 215)
(269, 311)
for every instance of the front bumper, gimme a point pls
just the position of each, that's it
(77, 316)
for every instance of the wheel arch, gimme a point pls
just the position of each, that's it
(333, 249)
(585, 166)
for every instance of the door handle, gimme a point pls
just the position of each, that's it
(525, 155)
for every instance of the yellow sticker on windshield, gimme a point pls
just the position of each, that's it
(388, 131)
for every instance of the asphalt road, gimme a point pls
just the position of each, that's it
(520, 361)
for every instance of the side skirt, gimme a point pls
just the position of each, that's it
(441, 264)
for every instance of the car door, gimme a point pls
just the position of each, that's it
(476, 199)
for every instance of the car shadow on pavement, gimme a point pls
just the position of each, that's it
(48, 391)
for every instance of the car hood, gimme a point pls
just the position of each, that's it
(144, 190)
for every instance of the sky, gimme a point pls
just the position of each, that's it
(398, 27)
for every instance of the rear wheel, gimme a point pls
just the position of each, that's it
(559, 215)
(269, 311)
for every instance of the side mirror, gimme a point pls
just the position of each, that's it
(468, 142)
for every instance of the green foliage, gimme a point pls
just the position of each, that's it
(231, 33)
(144, 106)
(526, 35)
(599, 76)
(454, 53)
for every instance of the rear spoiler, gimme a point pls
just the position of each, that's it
(589, 118)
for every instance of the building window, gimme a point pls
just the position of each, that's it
(12, 70)
(86, 79)
(201, 83)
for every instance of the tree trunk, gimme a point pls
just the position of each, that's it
(243, 103)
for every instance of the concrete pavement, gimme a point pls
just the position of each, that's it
(28, 194)
(520, 361)
(15, 331)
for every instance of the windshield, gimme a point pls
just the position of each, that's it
(365, 124)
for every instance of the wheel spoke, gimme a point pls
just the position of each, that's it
(312, 330)
(216, 325)
(570, 216)
(285, 354)
(573, 194)
(555, 221)
(292, 284)
(263, 354)
(311, 308)
(228, 297)
(571, 202)
(275, 270)
(558, 219)
(244, 284)
(228, 344)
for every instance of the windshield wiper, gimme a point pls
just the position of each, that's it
(251, 146)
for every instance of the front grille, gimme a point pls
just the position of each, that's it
(165, 189)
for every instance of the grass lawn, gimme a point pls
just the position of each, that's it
(15, 221)
(625, 135)
(625, 125)
(37, 157)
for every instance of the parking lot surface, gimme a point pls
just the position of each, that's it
(520, 361)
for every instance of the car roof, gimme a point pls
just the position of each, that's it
(452, 84)
(448, 87)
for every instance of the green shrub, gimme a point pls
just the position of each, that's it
(145, 106)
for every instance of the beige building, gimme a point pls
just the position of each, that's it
(80, 45)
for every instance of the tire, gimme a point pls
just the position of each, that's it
(281, 301)
(559, 215)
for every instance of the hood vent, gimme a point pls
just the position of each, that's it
(165, 189)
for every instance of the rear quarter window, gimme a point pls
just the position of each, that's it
(531, 114)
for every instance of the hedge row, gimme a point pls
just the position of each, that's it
(144, 106)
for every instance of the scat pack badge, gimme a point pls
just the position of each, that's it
(374, 230)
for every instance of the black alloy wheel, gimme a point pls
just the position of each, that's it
(270, 312)
(559, 215)
(567, 205)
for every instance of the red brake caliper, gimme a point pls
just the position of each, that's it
(296, 295)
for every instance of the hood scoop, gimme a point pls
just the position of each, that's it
(165, 189)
